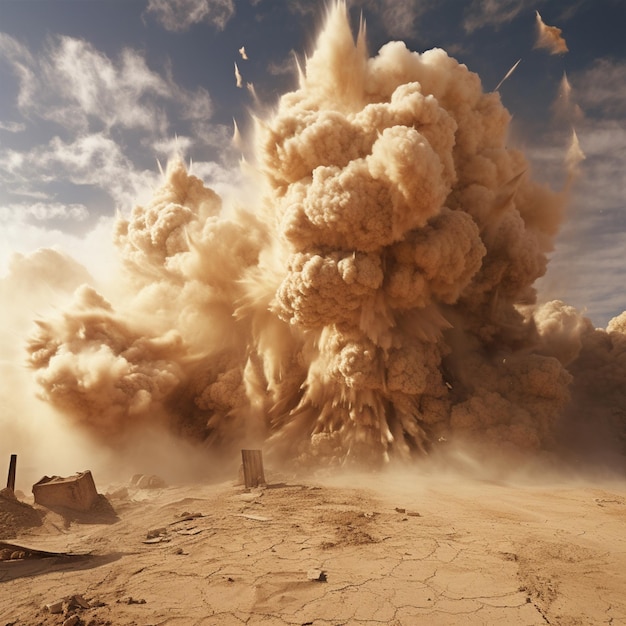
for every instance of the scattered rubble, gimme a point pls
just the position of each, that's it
(157, 535)
(8, 493)
(131, 600)
(186, 517)
(55, 607)
(145, 481)
(316, 575)
(13, 551)
(70, 606)
(118, 494)
(403, 511)
(156, 532)
(16, 515)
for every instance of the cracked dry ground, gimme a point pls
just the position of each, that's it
(401, 551)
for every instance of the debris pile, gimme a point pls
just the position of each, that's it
(16, 516)
(76, 492)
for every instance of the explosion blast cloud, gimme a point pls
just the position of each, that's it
(375, 300)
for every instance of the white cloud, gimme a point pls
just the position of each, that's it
(397, 16)
(587, 268)
(78, 87)
(25, 192)
(602, 88)
(179, 15)
(196, 105)
(495, 13)
(588, 272)
(287, 66)
(12, 127)
(21, 61)
(98, 160)
(95, 250)
(216, 135)
(301, 7)
(91, 85)
(93, 159)
(96, 100)
(43, 211)
(13, 50)
(171, 147)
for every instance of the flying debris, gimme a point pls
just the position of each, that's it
(252, 92)
(374, 299)
(549, 37)
(242, 52)
(236, 140)
(574, 157)
(238, 78)
(508, 74)
(564, 107)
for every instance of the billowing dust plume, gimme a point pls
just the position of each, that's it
(549, 38)
(375, 300)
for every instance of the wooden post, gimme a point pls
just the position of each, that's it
(252, 468)
(11, 478)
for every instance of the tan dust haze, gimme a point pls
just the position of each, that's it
(374, 301)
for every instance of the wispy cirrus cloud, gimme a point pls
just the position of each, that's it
(179, 15)
(589, 259)
(494, 13)
(89, 162)
(78, 87)
(93, 159)
(12, 127)
(43, 211)
(399, 17)
(93, 86)
(93, 114)
(601, 88)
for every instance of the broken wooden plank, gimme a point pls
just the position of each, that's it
(12, 468)
(8, 549)
(256, 518)
(253, 468)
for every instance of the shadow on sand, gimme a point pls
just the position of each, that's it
(33, 562)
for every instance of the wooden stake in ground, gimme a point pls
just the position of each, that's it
(252, 468)
(11, 478)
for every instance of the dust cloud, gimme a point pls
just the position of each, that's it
(549, 38)
(373, 302)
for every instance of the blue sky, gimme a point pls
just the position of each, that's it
(94, 91)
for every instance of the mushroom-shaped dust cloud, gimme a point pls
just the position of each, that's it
(376, 299)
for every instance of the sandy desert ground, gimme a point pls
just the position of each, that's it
(381, 548)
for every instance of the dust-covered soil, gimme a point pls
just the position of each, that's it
(367, 549)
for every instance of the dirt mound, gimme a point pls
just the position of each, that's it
(16, 516)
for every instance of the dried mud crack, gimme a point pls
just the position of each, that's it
(331, 554)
